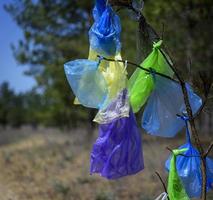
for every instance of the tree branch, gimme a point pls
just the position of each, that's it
(209, 149)
(140, 67)
(162, 182)
(189, 113)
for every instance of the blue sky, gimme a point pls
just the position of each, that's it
(10, 70)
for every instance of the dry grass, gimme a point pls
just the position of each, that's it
(51, 165)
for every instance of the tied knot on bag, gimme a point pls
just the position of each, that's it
(186, 119)
(157, 45)
(177, 152)
(183, 117)
(152, 72)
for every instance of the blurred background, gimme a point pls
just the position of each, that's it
(45, 140)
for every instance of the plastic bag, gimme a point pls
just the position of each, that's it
(118, 108)
(166, 101)
(189, 169)
(118, 150)
(100, 6)
(176, 190)
(114, 73)
(141, 84)
(162, 196)
(86, 81)
(105, 34)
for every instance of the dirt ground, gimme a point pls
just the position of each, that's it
(49, 164)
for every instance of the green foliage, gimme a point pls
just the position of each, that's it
(6, 94)
(187, 31)
(19, 109)
(54, 32)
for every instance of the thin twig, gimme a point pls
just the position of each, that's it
(163, 31)
(209, 149)
(140, 67)
(162, 182)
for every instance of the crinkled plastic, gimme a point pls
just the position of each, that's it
(105, 41)
(166, 101)
(114, 73)
(162, 196)
(141, 84)
(86, 81)
(100, 6)
(118, 108)
(189, 169)
(175, 189)
(104, 35)
(118, 150)
(102, 65)
(116, 77)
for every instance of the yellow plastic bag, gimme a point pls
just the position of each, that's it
(114, 73)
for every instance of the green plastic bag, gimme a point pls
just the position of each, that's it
(176, 190)
(141, 83)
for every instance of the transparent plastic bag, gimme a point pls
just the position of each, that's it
(141, 84)
(115, 75)
(118, 108)
(86, 81)
(118, 150)
(165, 102)
(175, 189)
(104, 35)
(189, 169)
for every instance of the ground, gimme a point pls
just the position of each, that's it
(48, 164)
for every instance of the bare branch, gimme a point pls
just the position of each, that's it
(209, 149)
(138, 66)
(162, 182)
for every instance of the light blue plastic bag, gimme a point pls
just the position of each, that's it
(87, 82)
(166, 101)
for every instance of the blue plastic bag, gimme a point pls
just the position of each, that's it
(100, 6)
(87, 82)
(118, 150)
(189, 169)
(166, 101)
(104, 35)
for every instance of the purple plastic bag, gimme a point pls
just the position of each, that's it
(118, 150)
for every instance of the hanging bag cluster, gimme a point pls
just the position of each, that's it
(102, 84)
